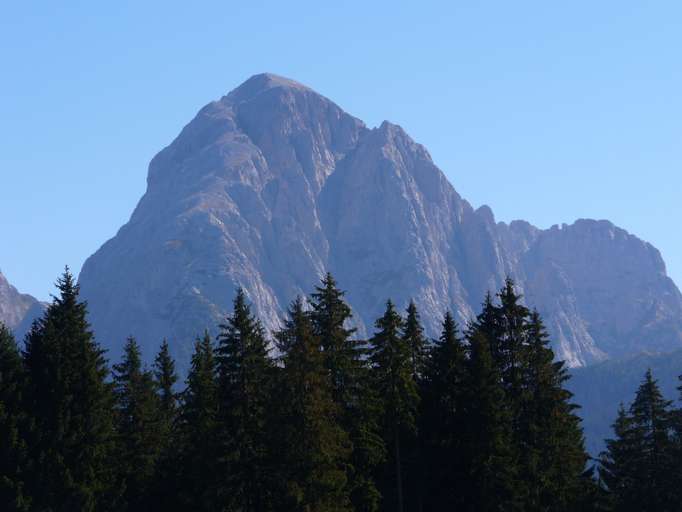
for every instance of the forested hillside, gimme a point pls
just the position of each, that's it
(601, 388)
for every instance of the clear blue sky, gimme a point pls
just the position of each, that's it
(547, 111)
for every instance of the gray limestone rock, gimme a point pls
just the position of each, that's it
(272, 185)
(17, 310)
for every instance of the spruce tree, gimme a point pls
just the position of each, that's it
(330, 317)
(245, 375)
(167, 477)
(139, 421)
(344, 357)
(390, 356)
(616, 470)
(637, 466)
(198, 433)
(442, 419)
(512, 324)
(13, 426)
(677, 446)
(487, 439)
(72, 406)
(315, 448)
(546, 445)
(553, 455)
(165, 378)
(413, 334)
(489, 324)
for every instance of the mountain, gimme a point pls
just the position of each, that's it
(600, 388)
(17, 310)
(273, 184)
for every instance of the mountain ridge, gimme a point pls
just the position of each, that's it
(273, 184)
(17, 310)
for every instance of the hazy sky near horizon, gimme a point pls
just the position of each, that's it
(546, 111)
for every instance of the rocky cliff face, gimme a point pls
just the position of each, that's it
(17, 310)
(273, 185)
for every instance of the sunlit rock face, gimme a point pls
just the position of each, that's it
(17, 310)
(273, 185)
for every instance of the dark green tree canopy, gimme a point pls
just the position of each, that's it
(316, 448)
(166, 377)
(413, 334)
(139, 424)
(14, 426)
(392, 369)
(245, 377)
(71, 403)
(638, 466)
(480, 421)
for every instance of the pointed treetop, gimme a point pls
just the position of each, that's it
(67, 286)
(449, 324)
(449, 330)
(240, 298)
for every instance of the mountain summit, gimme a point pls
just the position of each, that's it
(273, 185)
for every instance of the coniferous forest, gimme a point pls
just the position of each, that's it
(315, 419)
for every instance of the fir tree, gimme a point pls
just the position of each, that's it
(553, 455)
(676, 420)
(198, 438)
(489, 454)
(512, 337)
(316, 448)
(72, 406)
(344, 357)
(330, 316)
(167, 477)
(413, 334)
(13, 426)
(165, 378)
(637, 466)
(616, 469)
(442, 419)
(245, 375)
(393, 379)
(546, 445)
(489, 324)
(139, 423)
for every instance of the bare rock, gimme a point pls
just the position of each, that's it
(273, 185)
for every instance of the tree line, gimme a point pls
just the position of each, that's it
(642, 463)
(314, 419)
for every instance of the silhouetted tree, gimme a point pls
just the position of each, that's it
(139, 422)
(72, 405)
(359, 408)
(315, 449)
(442, 420)
(14, 426)
(198, 433)
(489, 453)
(245, 378)
(390, 356)
(637, 466)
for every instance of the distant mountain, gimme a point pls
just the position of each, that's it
(17, 310)
(272, 185)
(600, 388)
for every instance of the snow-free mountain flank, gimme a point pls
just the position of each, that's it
(273, 185)
(17, 310)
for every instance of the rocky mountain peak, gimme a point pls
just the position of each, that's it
(274, 184)
(261, 83)
(17, 310)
